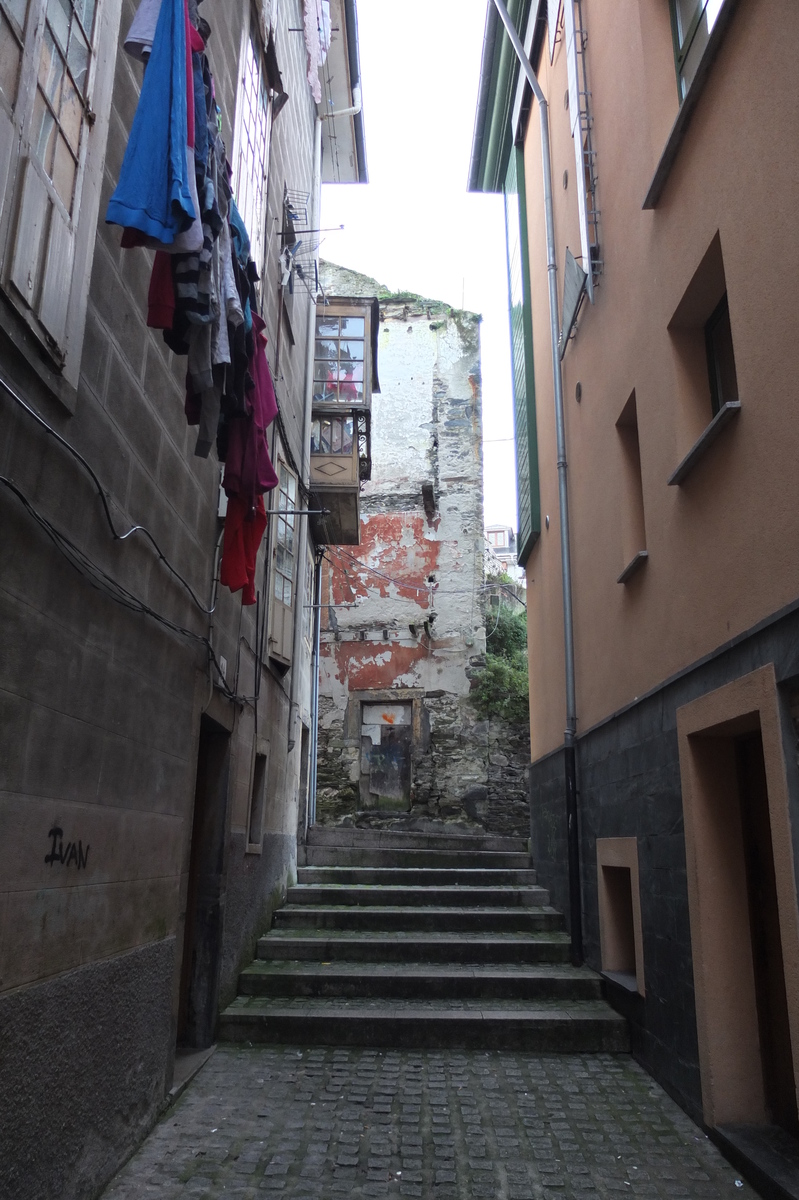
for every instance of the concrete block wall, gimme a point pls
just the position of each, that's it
(100, 705)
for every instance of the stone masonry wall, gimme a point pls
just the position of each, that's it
(406, 610)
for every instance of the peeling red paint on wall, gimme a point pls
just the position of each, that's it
(372, 664)
(397, 545)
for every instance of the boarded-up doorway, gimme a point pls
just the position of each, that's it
(386, 743)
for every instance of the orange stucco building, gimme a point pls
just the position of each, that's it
(673, 159)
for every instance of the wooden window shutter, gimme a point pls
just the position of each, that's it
(57, 280)
(44, 247)
(46, 250)
(31, 228)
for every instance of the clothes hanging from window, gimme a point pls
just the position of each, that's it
(202, 287)
(248, 465)
(153, 194)
(141, 34)
(313, 46)
(244, 528)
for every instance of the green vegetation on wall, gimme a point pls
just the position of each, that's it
(501, 687)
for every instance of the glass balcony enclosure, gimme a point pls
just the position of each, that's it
(344, 377)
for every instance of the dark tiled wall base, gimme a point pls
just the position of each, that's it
(83, 1072)
(629, 785)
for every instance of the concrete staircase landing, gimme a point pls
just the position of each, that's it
(423, 941)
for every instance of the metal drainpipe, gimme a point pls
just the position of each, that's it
(572, 830)
(310, 818)
(305, 454)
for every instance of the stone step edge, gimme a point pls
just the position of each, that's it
(446, 873)
(256, 1007)
(259, 969)
(368, 839)
(541, 910)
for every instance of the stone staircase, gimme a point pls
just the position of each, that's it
(419, 940)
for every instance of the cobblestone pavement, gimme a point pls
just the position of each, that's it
(304, 1124)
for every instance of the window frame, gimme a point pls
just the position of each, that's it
(528, 500)
(62, 254)
(683, 46)
(252, 37)
(281, 621)
(339, 311)
(719, 317)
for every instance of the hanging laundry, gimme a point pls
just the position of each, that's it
(244, 529)
(161, 296)
(313, 46)
(153, 194)
(248, 466)
(325, 32)
(202, 288)
(141, 34)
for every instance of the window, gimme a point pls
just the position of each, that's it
(706, 384)
(252, 146)
(12, 38)
(528, 502)
(309, 601)
(255, 823)
(332, 435)
(284, 559)
(720, 357)
(620, 925)
(284, 554)
(691, 23)
(339, 360)
(633, 530)
(52, 84)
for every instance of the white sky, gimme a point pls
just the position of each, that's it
(414, 226)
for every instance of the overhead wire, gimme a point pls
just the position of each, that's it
(117, 536)
(103, 582)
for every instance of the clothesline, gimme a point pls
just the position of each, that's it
(175, 195)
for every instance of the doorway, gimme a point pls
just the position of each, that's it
(776, 1056)
(205, 899)
(386, 745)
(742, 903)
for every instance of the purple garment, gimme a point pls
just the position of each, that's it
(248, 468)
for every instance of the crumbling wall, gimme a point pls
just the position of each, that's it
(404, 609)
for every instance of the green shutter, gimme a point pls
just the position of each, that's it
(528, 499)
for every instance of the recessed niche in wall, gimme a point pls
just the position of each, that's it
(633, 531)
(706, 384)
(255, 824)
(620, 912)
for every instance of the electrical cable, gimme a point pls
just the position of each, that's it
(118, 537)
(105, 583)
(413, 587)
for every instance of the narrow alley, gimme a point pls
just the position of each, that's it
(410, 942)
(311, 1123)
(399, 600)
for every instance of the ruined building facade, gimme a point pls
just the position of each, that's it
(403, 629)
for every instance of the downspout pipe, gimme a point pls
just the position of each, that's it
(570, 766)
(345, 112)
(305, 463)
(310, 818)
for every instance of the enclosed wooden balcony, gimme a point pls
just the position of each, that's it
(345, 375)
